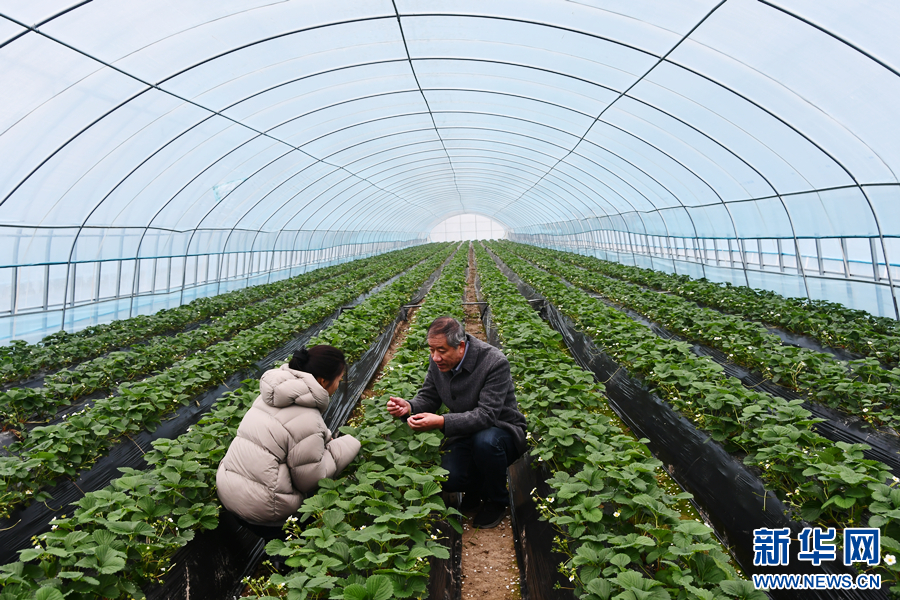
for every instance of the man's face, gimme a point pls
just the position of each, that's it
(445, 356)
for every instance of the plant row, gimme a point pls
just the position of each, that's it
(370, 533)
(76, 442)
(104, 373)
(21, 360)
(625, 528)
(860, 387)
(830, 484)
(831, 323)
(776, 434)
(122, 538)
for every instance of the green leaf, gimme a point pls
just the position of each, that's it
(109, 560)
(354, 591)
(692, 528)
(379, 587)
(742, 589)
(333, 517)
(620, 560)
(29, 554)
(46, 593)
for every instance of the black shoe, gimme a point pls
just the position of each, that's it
(489, 516)
(470, 503)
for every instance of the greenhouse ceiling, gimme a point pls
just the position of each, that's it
(157, 151)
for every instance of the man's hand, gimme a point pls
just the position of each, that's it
(397, 407)
(425, 422)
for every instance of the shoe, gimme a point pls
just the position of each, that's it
(489, 516)
(470, 503)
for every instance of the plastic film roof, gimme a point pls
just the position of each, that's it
(169, 127)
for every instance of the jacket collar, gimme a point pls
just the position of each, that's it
(472, 351)
(316, 397)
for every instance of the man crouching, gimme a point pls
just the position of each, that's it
(485, 432)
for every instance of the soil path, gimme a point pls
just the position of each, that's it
(489, 568)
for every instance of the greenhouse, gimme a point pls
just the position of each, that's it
(679, 221)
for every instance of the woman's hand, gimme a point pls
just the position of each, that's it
(397, 407)
(425, 422)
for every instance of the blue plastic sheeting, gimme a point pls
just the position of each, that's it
(269, 132)
(33, 326)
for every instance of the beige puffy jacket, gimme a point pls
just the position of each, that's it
(282, 449)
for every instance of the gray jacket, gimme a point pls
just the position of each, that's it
(282, 449)
(480, 396)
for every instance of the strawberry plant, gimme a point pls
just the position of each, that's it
(75, 443)
(370, 533)
(830, 484)
(625, 527)
(829, 322)
(860, 387)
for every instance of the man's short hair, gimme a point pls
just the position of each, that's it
(450, 328)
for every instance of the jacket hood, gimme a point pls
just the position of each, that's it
(285, 386)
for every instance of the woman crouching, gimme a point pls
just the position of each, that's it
(282, 447)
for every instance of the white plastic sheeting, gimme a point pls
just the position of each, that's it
(150, 148)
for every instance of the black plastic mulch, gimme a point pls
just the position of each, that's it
(539, 577)
(724, 489)
(213, 565)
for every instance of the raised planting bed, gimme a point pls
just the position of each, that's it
(626, 530)
(861, 388)
(379, 531)
(827, 484)
(132, 516)
(830, 323)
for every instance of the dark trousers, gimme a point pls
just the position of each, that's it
(266, 532)
(478, 463)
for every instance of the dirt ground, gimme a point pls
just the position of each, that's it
(489, 568)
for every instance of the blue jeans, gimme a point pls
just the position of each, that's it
(478, 463)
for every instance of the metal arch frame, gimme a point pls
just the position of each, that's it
(97, 206)
(136, 281)
(289, 199)
(481, 91)
(874, 215)
(336, 168)
(507, 145)
(624, 93)
(412, 68)
(476, 16)
(147, 88)
(775, 192)
(232, 50)
(846, 170)
(320, 137)
(403, 146)
(226, 240)
(204, 120)
(858, 185)
(686, 208)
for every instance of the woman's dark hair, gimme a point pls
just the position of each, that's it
(325, 362)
